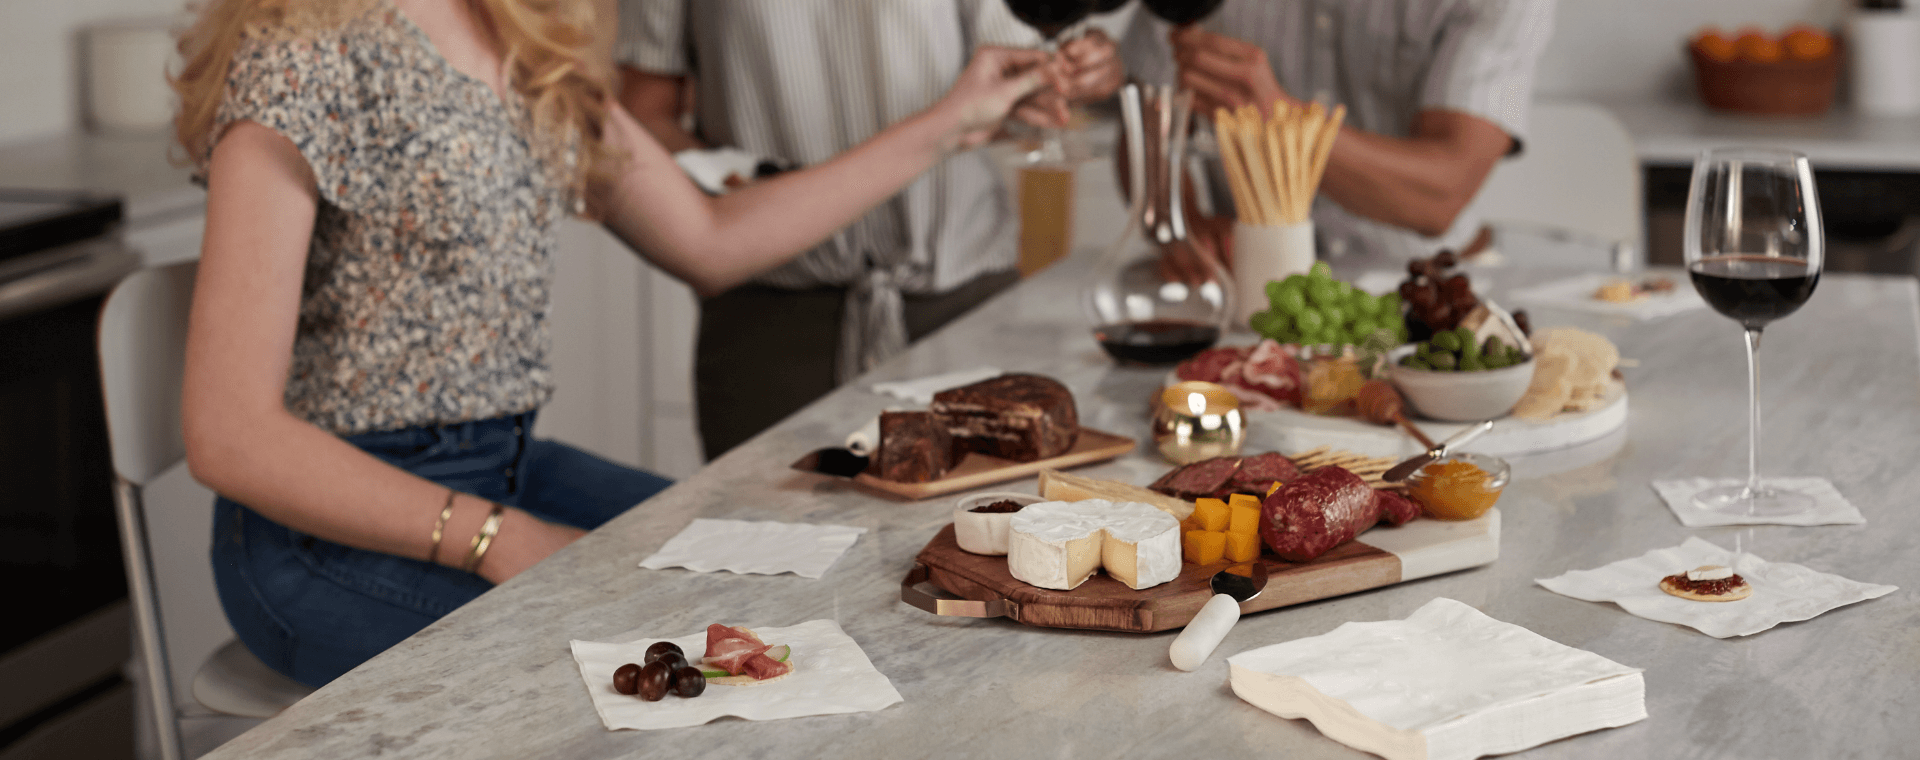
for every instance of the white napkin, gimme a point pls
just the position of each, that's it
(1576, 294)
(831, 675)
(1782, 592)
(762, 548)
(1829, 507)
(921, 390)
(1448, 681)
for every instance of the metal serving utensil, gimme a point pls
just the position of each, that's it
(1413, 464)
(1230, 587)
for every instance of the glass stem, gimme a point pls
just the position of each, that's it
(1753, 413)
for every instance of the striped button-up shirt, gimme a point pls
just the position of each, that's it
(805, 80)
(1387, 60)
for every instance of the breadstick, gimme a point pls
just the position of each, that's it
(1225, 126)
(1251, 150)
(1309, 143)
(1328, 133)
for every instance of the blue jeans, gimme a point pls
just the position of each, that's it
(314, 609)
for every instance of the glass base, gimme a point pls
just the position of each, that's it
(1765, 501)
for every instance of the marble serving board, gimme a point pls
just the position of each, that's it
(1510, 436)
(1382, 556)
(978, 470)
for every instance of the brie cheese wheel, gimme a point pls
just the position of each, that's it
(1058, 545)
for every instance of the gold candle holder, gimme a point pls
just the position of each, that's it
(1197, 420)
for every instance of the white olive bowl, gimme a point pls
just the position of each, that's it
(986, 532)
(1459, 396)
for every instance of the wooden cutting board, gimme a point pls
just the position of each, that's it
(978, 470)
(1382, 557)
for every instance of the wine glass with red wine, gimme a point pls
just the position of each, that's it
(1182, 12)
(1754, 248)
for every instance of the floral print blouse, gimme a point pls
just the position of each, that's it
(427, 285)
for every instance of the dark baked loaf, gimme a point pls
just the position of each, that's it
(1014, 416)
(914, 447)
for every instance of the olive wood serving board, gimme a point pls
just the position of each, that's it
(1381, 557)
(978, 470)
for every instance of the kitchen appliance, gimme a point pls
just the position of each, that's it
(63, 639)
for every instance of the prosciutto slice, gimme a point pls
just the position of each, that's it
(762, 667)
(732, 649)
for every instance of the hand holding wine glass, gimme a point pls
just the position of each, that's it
(1754, 249)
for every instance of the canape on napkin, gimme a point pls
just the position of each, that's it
(1447, 683)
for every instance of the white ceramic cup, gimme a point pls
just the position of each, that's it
(1262, 254)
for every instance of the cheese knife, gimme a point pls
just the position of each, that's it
(1203, 633)
(1413, 464)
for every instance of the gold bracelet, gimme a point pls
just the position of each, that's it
(484, 538)
(440, 527)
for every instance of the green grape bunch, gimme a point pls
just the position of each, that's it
(1315, 309)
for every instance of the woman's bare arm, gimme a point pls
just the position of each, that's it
(241, 440)
(716, 243)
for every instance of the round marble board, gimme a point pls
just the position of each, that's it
(1298, 431)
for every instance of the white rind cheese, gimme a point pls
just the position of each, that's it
(1709, 573)
(1058, 545)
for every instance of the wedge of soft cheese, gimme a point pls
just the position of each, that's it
(1058, 545)
(1060, 486)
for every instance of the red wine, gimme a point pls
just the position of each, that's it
(1050, 17)
(1182, 12)
(1159, 341)
(1753, 289)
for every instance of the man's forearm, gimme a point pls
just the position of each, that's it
(1421, 182)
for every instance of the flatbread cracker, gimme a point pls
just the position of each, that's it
(1549, 390)
(1737, 593)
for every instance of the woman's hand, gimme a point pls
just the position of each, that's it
(1224, 72)
(994, 81)
(1089, 67)
(522, 541)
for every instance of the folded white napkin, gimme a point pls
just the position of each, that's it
(1576, 294)
(762, 548)
(1448, 682)
(921, 390)
(1782, 592)
(830, 675)
(1829, 507)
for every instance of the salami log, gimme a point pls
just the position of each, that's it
(1316, 512)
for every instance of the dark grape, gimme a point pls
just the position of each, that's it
(654, 680)
(688, 682)
(1444, 258)
(662, 647)
(626, 680)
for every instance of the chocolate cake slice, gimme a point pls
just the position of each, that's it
(914, 447)
(1014, 416)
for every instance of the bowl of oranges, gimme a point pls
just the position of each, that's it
(1792, 74)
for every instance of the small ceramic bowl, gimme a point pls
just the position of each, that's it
(1460, 396)
(986, 532)
(1457, 503)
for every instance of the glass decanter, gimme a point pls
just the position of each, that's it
(1155, 298)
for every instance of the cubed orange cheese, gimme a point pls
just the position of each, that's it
(1275, 487)
(1243, 500)
(1211, 514)
(1243, 547)
(1244, 520)
(1204, 547)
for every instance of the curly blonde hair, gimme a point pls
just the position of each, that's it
(544, 45)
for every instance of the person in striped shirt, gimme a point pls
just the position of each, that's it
(802, 81)
(1436, 91)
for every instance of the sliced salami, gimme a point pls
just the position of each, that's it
(1259, 472)
(1395, 508)
(1203, 478)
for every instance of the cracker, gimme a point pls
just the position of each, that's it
(1550, 388)
(746, 680)
(1734, 594)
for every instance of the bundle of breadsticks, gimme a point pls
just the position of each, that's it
(1274, 165)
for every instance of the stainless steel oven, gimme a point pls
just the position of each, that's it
(63, 635)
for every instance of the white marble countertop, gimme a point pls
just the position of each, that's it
(1667, 131)
(1841, 392)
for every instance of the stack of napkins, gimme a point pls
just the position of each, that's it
(1447, 682)
(762, 548)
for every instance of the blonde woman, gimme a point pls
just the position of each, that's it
(368, 339)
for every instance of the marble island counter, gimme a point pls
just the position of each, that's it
(1840, 388)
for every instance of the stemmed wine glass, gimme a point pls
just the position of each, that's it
(1050, 18)
(1754, 248)
(1182, 12)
